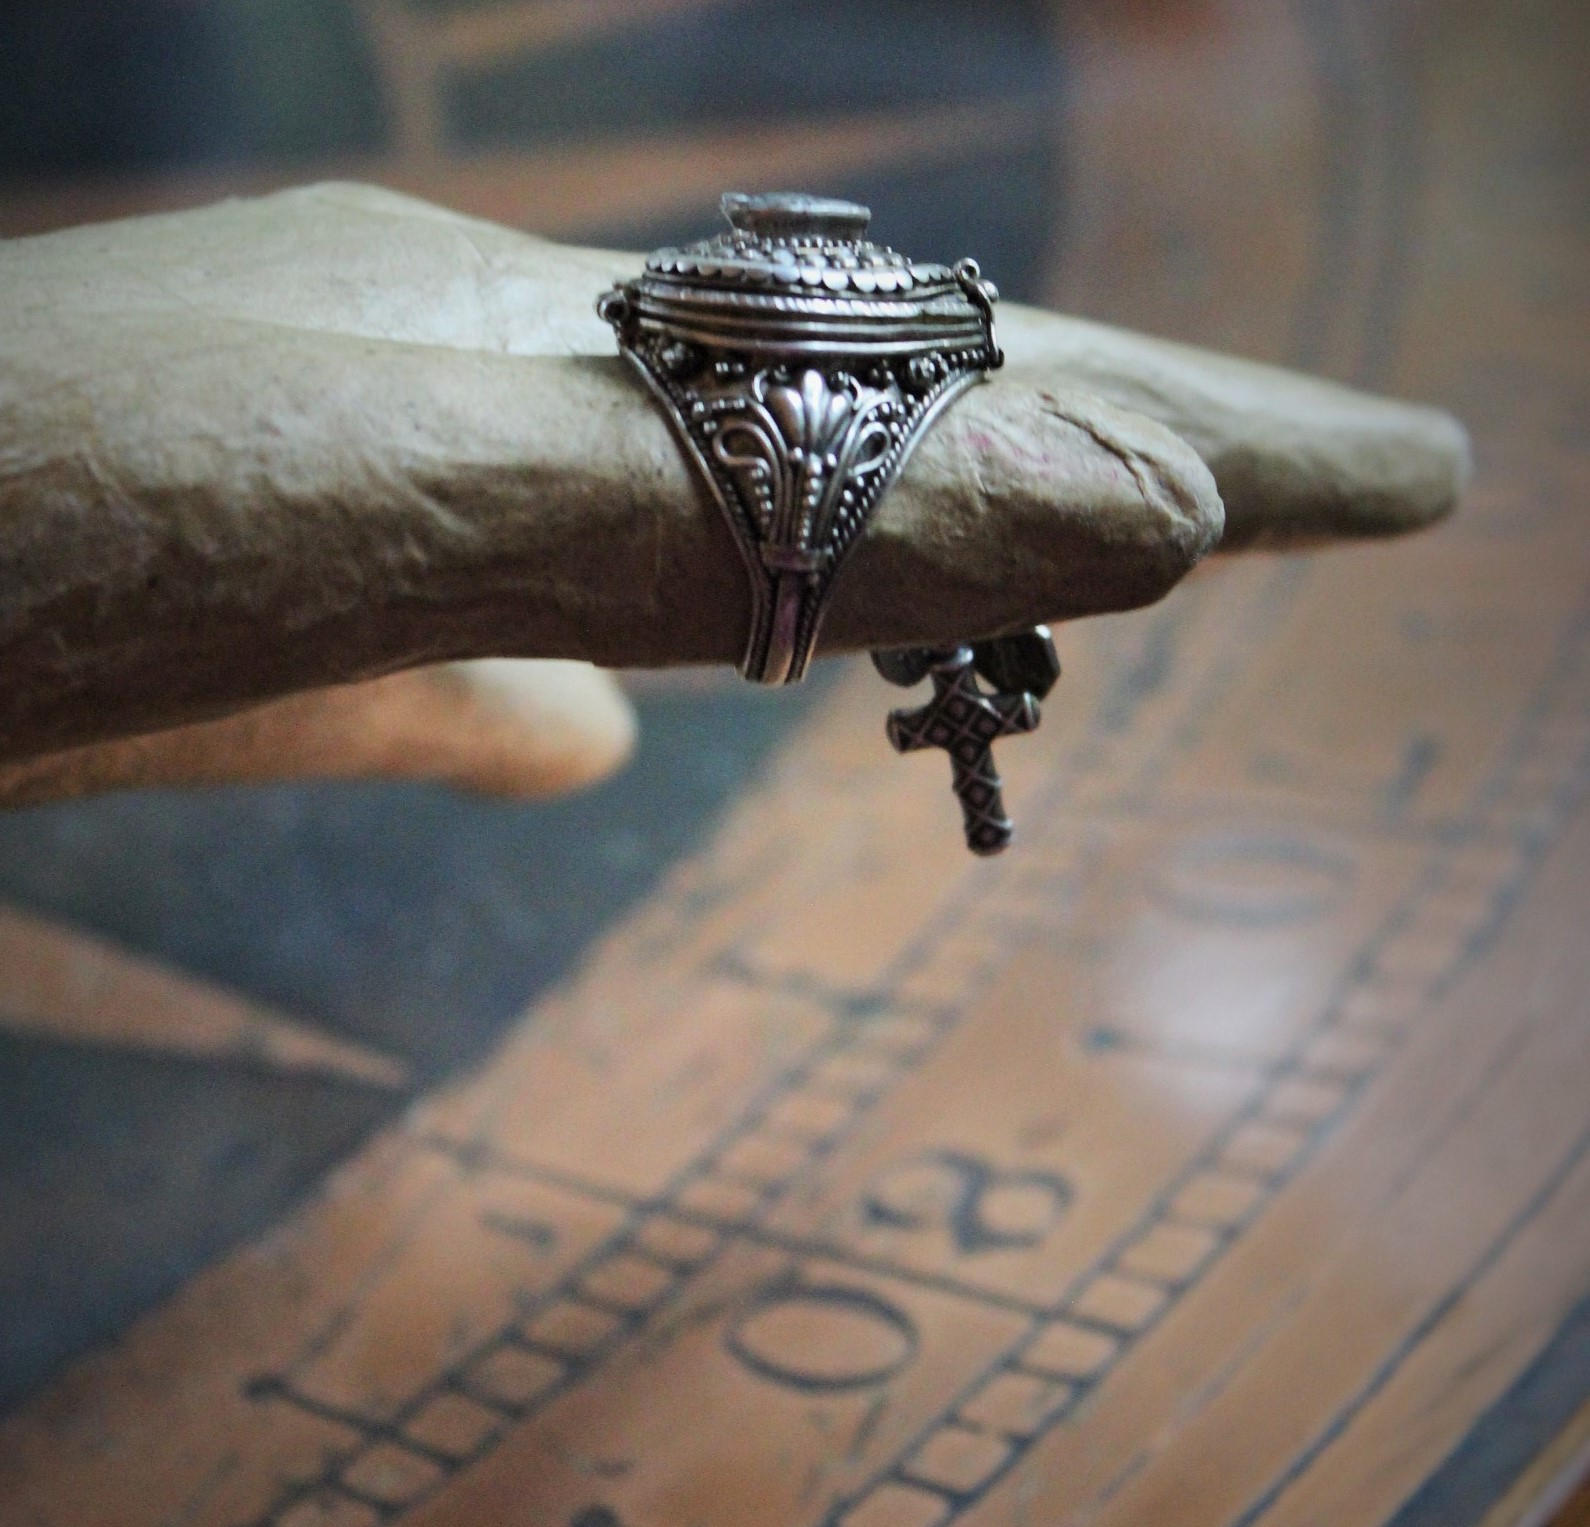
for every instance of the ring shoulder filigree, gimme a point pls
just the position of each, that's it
(797, 454)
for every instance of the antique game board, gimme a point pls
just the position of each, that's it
(1220, 1156)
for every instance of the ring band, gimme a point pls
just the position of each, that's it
(799, 364)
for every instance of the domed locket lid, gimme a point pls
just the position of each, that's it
(797, 272)
(806, 244)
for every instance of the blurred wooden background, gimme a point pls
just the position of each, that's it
(1219, 1156)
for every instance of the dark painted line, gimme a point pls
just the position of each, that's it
(1511, 1435)
(1426, 1327)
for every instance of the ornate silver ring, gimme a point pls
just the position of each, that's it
(799, 364)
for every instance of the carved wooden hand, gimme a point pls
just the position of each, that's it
(252, 454)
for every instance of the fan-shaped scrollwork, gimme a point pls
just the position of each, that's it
(797, 456)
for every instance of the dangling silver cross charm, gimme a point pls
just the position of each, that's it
(966, 721)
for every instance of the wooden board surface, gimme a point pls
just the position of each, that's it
(1218, 1157)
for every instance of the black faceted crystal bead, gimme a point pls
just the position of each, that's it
(904, 666)
(1022, 664)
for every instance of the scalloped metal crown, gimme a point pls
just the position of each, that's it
(796, 272)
